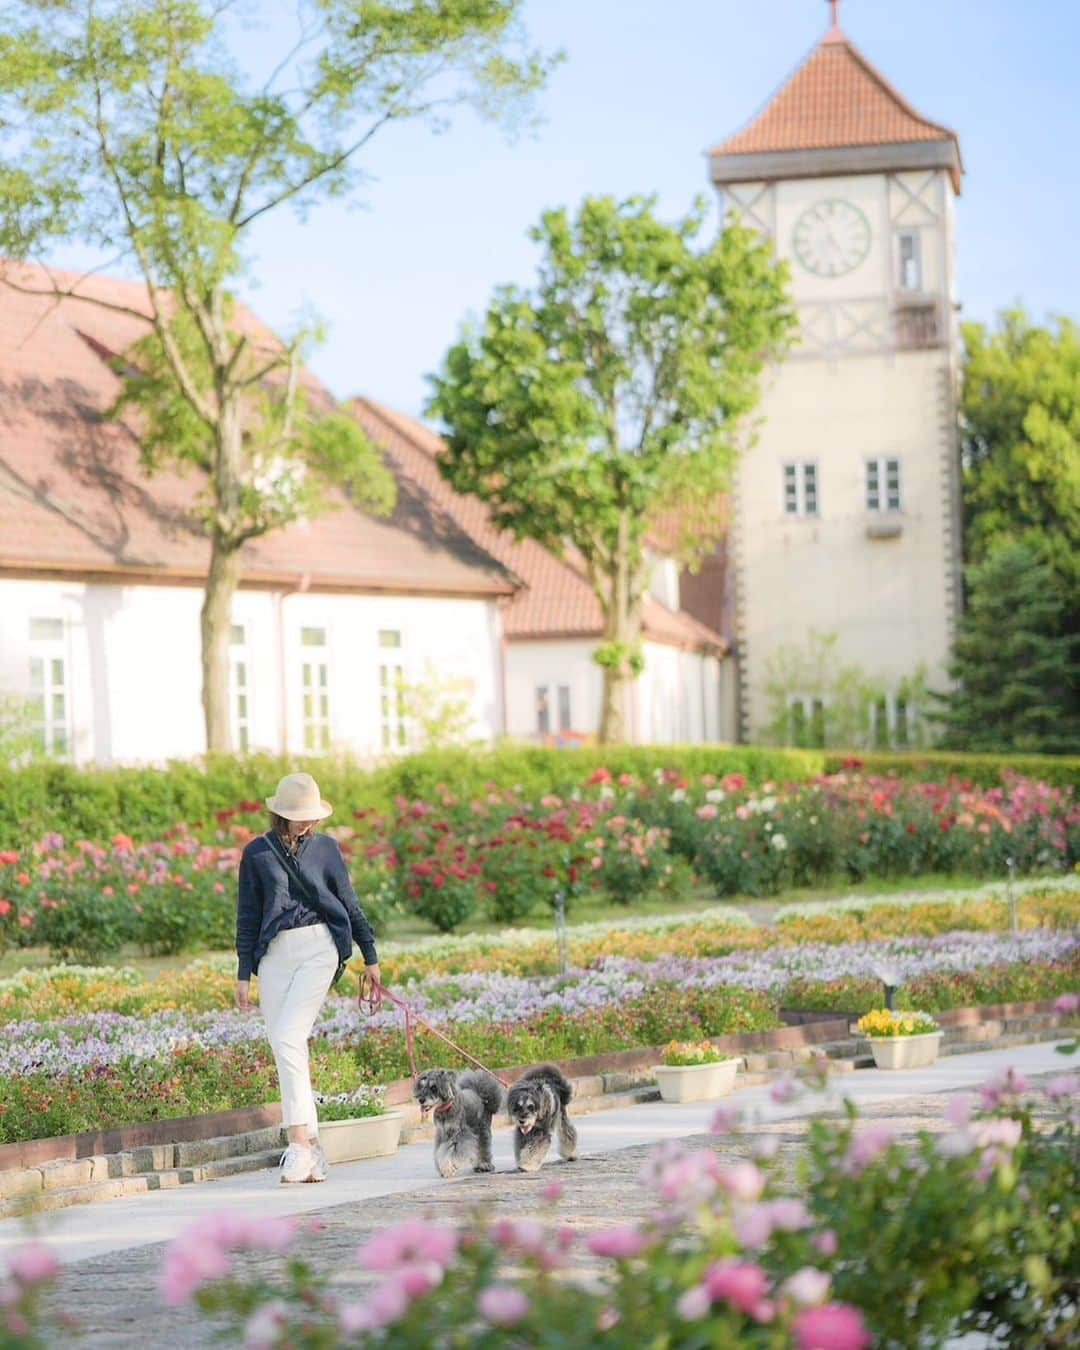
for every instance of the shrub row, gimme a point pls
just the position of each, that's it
(145, 802)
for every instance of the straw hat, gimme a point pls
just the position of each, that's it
(298, 798)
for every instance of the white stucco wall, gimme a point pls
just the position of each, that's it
(132, 663)
(680, 696)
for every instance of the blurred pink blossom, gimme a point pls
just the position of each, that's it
(617, 1243)
(834, 1326)
(502, 1305)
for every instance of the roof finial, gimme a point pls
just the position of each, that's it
(834, 34)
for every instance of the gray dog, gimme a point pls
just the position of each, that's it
(537, 1104)
(461, 1105)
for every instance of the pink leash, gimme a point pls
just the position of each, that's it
(370, 1004)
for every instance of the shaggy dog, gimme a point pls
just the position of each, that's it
(537, 1105)
(461, 1105)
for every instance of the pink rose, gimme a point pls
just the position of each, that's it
(740, 1283)
(502, 1305)
(33, 1263)
(743, 1181)
(825, 1243)
(407, 1243)
(1067, 1003)
(834, 1326)
(617, 1243)
(694, 1304)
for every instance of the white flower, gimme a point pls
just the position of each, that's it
(808, 1286)
(715, 795)
(767, 804)
(779, 842)
(607, 793)
(679, 795)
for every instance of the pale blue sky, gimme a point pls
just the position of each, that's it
(646, 87)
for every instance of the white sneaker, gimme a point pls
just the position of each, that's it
(319, 1164)
(297, 1163)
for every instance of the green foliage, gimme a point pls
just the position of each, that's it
(1021, 446)
(19, 742)
(847, 705)
(616, 391)
(1017, 686)
(937, 765)
(439, 710)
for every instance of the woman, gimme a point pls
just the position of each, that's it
(296, 919)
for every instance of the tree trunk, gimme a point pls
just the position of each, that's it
(216, 618)
(622, 632)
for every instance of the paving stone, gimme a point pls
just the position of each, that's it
(65, 1173)
(20, 1181)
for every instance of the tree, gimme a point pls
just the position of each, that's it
(126, 126)
(1021, 443)
(1016, 680)
(617, 391)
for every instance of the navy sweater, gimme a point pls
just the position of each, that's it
(270, 900)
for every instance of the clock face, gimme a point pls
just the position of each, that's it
(831, 238)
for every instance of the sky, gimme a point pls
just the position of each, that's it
(646, 87)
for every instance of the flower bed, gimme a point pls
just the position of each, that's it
(100, 1069)
(927, 1241)
(207, 984)
(503, 856)
(104, 1069)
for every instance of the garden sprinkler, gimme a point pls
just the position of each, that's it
(560, 929)
(890, 982)
(1014, 923)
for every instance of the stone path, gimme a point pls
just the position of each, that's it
(114, 1249)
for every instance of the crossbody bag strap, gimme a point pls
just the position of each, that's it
(292, 866)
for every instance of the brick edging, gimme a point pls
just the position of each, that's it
(818, 1029)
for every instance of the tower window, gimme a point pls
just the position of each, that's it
(800, 488)
(909, 257)
(883, 485)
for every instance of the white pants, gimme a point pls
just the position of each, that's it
(294, 979)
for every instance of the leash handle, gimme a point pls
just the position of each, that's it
(372, 994)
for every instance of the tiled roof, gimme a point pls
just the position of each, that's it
(835, 99)
(73, 498)
(556, 599)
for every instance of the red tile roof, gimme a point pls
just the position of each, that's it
(74, 499)
(835, 99)
(556, 600)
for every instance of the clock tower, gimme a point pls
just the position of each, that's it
(845, 512)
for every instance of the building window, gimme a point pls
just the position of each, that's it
(48, 686)
(807, 721)
(240, 687)
(547, 711)
(883, 485)
(315, 689)
(909, 258)
(392, 710)
(892, 722)
(801, 488)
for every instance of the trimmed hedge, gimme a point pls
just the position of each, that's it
(937, 765)
(146, 802)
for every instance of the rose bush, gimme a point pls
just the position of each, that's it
(882, 1240)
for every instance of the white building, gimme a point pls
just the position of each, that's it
(846, 512)
(102, 571)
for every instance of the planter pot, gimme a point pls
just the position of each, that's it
(695, 1082)
(906, 1052)
(365, 1137)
